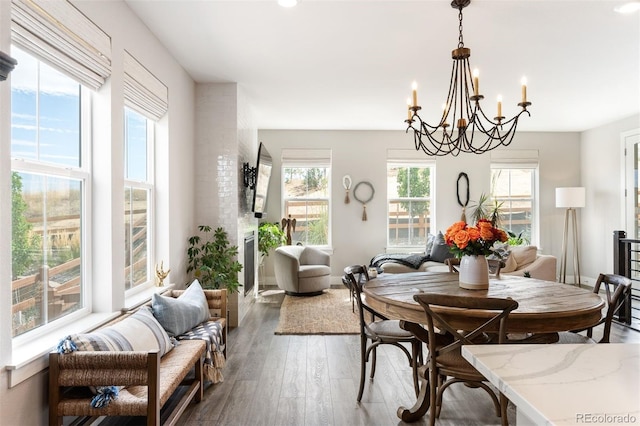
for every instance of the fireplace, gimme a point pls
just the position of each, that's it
(249, 263)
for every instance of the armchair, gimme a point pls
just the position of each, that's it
(302, 271)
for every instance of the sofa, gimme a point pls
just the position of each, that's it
(518, 261)
(138, 382)
(302, 271)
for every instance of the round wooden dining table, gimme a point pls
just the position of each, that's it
(543, 307)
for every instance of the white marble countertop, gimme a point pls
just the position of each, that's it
(565, 384)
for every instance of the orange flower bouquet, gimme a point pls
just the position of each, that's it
(477, 240)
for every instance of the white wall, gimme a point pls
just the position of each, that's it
(26, 403)
(601, 175)
(363, 154)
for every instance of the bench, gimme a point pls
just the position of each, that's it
(150, 380)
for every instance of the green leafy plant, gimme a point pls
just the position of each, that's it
(270, 236)
(213, 261)
(526, 274)
(517, 239)
(484, 209)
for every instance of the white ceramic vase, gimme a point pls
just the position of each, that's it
(474, 273)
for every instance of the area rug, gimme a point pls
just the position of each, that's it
(328, 313)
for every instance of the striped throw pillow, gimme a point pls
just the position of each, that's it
(138, 332)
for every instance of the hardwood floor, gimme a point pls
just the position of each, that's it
(313, 380)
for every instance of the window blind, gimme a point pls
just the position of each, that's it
(306, 157)
(143, 92)
(408, 156)
(522, 158)
(59, 34)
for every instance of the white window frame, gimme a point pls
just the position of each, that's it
(309, 159)
(82, 173)
(535, 202)
(430, 200)
(148, 185)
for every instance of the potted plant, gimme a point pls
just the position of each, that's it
(270, 236)
(213, 261)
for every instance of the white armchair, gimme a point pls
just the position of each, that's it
(302, 271)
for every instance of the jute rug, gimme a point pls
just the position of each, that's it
(328, 313)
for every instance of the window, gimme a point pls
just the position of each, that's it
(514, 188)
(138, 198)
(409, 204)
(49, 184)
(306, 196)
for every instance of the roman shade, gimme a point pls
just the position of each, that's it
(143, 92)
(306, 157)
(59, 34)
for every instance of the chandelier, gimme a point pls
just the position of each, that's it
(462, 116)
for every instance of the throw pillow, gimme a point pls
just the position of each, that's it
(430, 239)
(440, 250)
(138, 332)
(178, 315)
(524, 255)
(502, 251)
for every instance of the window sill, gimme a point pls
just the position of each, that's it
(29, 358)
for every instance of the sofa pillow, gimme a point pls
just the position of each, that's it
(179, 315)
(440, 250)
(138, 332)
(502, 251)
(430, 239)
(524, 255)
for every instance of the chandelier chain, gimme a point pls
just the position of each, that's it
(460, 38)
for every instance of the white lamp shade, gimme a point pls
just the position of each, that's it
(573, 197)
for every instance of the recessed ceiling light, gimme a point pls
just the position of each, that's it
(628, 7)
(287, 3)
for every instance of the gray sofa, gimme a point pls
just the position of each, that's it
(302, 271)
(521, 259)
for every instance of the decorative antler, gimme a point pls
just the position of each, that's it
(161, 274)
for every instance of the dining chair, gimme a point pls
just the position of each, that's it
(617, 289)
(495, 265)
(380, 331)
(445, 364)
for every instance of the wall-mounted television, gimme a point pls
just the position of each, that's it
(263, 176)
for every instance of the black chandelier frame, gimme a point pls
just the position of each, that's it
(466, 112)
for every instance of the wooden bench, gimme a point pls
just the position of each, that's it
(150, 380)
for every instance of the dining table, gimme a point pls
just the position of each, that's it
(543, 306)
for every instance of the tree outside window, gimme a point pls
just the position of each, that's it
(306, 199)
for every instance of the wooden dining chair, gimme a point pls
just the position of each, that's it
(445, 364)
(379, 331)
(495, 265)
(616, 290)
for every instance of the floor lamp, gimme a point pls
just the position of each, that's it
(570, 199)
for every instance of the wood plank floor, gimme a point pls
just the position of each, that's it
(313, 380)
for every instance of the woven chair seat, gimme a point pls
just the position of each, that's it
(390, 328)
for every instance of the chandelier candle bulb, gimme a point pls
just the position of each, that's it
(476, 83)
(499, 106)
(414, 93)
(408, 109)
(524, 89)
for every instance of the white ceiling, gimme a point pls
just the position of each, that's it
(349, 64)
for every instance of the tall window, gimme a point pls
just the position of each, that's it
(306, 197)
(138, 197)
(49, 182)
(515, 189)
(409, 204)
